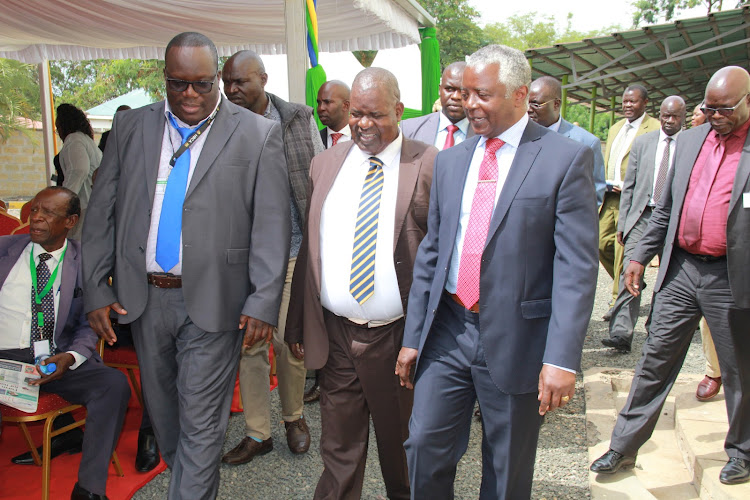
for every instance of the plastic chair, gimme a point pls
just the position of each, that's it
(124, 357)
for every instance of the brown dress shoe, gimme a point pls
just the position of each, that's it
(297, 436)
(708, 388)
(312, 395)
(248, 449)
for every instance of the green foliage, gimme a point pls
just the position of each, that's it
(533, 30)
(579, 113)
(365, 57)
(89, 83)
(654, 11)
(19, 96)
(457, 30)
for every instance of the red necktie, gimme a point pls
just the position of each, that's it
(693, 213)
(335, 138)
(449, 141)
(482, 206)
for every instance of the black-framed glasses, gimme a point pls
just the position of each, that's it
(536, 105)
(722, 111)
(200, 86)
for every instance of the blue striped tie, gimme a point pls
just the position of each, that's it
(362, 277)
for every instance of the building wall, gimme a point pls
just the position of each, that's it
(22, 171)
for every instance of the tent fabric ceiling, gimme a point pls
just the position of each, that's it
(668, 59)
(34, 30)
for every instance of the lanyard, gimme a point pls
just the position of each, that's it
(193, 137)
(39, 296)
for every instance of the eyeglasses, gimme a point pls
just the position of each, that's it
(202, 87)
(536, 105)
(722, 111)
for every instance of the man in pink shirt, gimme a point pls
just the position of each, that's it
(703, 221)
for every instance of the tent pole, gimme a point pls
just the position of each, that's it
(564, 104)
(296, 48)
(592, 111)
(48, 118)
(612, 104)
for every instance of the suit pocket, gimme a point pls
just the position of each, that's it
(238, 255)
(531, 202)
(532, 309)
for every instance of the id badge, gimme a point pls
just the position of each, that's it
(41, 348)
(745, 200)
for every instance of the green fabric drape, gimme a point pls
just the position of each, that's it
(430, 51)
(314, 79)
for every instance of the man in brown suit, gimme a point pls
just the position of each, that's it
(367, 214)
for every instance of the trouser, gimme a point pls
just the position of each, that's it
(105, 393)
(255, 369)
(188, 379)
(356, 383)
(692, 288)
(709, 351)
(451, 376)
(610, 252)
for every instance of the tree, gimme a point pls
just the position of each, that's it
(458, 33)
(651, 11)
(579, 113)
(19, 96)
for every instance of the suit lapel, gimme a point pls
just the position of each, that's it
(527, 152)
(432, 128)
(680, 184)
(650, 156)
(456, 176)
(67, 286)
(221, 130)
(742, 175)
(10, 255)
(408, 172)
(153, 134)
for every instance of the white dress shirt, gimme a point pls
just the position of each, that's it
(555, 127)
(458, 136)
(171, 142)
(337, 223)
(347, 135)
(505, 156)
(657, 159)
(15, 300)
(621, 146)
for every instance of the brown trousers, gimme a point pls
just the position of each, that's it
(357, 382)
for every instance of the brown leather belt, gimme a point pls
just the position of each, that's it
(474, 308)
(164, 280)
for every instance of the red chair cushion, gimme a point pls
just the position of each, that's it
(122, 355)
(47, 402)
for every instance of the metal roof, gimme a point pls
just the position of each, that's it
(668, 59)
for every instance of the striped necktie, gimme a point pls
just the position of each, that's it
(362, 277)
(335, 137)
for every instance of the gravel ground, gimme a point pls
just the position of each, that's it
(561, 471)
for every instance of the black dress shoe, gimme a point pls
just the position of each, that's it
(617, 344)
(611, 462)
(148, 452)
(736, 471)
(69, 442)
(80, 493)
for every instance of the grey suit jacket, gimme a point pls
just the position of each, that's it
(584, 137)
(638, 185)
(235, 223)
(72, 330)
(539, 264)
(425, 128)
(665, 220)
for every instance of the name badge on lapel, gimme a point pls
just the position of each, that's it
(745, 200)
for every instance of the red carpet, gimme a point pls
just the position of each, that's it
(23, 482)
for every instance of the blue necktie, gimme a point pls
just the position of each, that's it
(362, 277)
(170, 221)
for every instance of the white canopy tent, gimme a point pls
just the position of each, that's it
(36, 31)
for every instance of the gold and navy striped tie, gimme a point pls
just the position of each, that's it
(362, 277)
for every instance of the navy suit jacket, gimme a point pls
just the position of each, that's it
(584, 137)
(540, 261)
(72, 330)
(425, 128)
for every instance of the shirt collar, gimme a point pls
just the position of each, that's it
(663, 135)
(463, 125)
(38, 250)
(513, 135)
(344, 130)
(555, 127)
(636, 124)
(740, 133)
(390, 155)
(180, 123)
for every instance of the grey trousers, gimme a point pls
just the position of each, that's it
(692, 288)
(188, 378)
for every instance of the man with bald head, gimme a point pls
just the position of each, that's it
(545, 98)
(244, 80)
(449, 126)
(703, 223)
(333, 112)
(367, 215)
(645, 180)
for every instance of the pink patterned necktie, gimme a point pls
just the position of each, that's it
(335, 138)
(482, 206)
(693, 213)
(449, 140)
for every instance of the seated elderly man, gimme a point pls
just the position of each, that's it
(41, 271)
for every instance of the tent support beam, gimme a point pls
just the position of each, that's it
(296, 48)
(48, 119)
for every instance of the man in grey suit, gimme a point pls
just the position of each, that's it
(545, 98)
(703, 222)
(190, 216)
(449, 126)
(501, 297)
(645, 180)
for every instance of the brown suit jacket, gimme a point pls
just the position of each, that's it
(305, 322)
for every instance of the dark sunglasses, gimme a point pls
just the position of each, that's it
(722, 111)
(202, 87)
